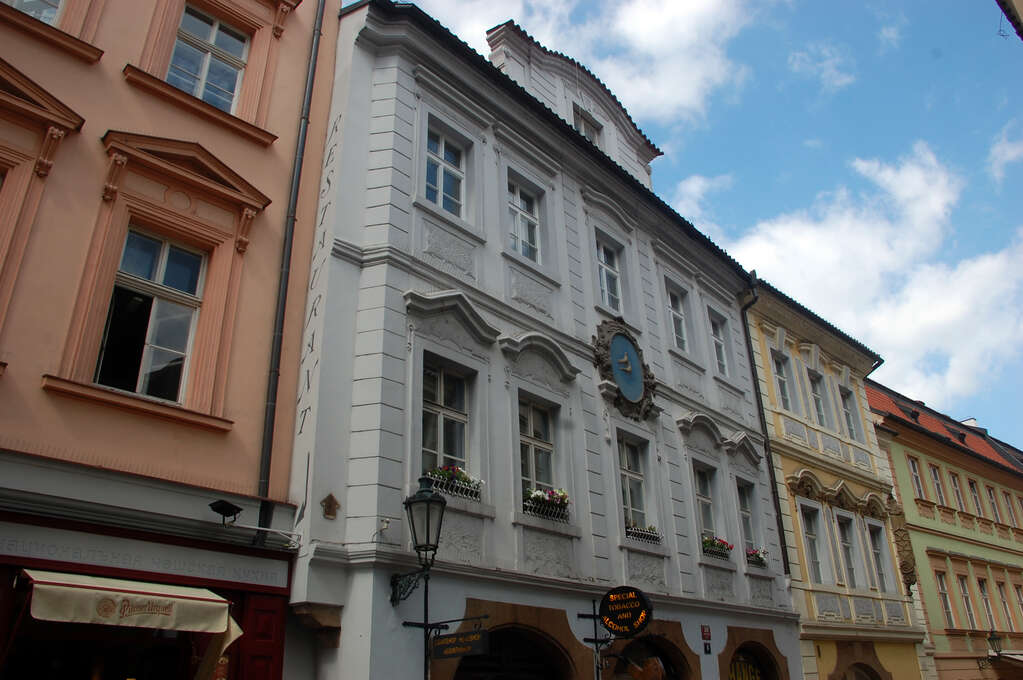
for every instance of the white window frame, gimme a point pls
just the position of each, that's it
(519, 219)
(678, 316)
(443, 412)
(957, 491)
(964, 592)
(703, 495)
(444, 167)
(158, 292)
(608, 271)
(881, 557)
(781, 365)
(992, 497)
(748, 515)
(939, 487)
(530, 444)
(850, 555)
(985, 597)
(1006, 609)
(211, 50)
(627, 474)
(971, 484)
(946, 603)
(717, 324)
(820, 538)
(918, 482)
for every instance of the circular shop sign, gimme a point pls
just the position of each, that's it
(625, 611)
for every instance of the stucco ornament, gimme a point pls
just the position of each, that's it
(903, 546)
(619, 360)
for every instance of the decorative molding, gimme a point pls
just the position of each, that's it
(114, 168)
(44, 162)
(454, 302)
(452, 94)
(903, 544)
(609, 205)
(48, 34)
(740, 442)
(805, 484)
(840, 496)
(241, 244)
(642, 409)
(280, 16)
(150, 83)
(541, 344)
(24, 96)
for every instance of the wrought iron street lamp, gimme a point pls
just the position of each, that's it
(425, 510)
(995, 642)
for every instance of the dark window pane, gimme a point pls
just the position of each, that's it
(141, 254)
(222, 76)
(164, 377)
(196, 24)
(182, 272)
(187, 59)
(125, 339)
(231, 41)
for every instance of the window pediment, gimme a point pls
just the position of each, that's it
(187, 162)
(456, 303)
(543, 345)
(23, 96)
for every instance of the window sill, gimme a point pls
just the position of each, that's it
(645, 548)
(716, 562)
(467, 507)
(727, 383)
(450, 220)
(139, 78)
(547, 525)
(686, 359)
(533, 267)
(758, 572)
(134, 402)
(48, 34)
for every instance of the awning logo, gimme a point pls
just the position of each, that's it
(106, 607)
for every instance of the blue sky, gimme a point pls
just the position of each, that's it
(865, 158)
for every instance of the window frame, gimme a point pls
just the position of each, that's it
(957, 491)
(936, 480)
(210, 51)
(941, 585)
(721, 349)
(850, 412)
(819, 398)
(605, 269)
(55, 22)
(1012, 510)
(704, 498)
(971, 485)
(583, 120)
(992, 497)
(914, 473)
(849, 551)
(985, 597)
(881, 557)
(1003, 596)
(964, 590)
(781, 366)
(445, 167)
(518, 214)
(444, 412)
(750, 535)
(534, 443)
(824, 572)
(679, 315)
(626, 475)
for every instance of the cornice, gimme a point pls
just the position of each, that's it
(913, 526)
(824, 631)
(839, 469)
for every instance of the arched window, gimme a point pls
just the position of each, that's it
(517, 654)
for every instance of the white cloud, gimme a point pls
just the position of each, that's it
(823, 61)
(688, 201)
(868, 263)
(889, 37)
(635, 47)
(1003, 151)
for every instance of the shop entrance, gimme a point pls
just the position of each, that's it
(750, 662)
(651, 658)
(517, 654)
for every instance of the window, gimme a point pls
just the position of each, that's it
(718, 334)
(745, 492)
(47, 11)
(964, 588)
(677, 313)
(781, 380)
(982, 587)
(817, 394)
(810, 533)
(1003, 596)
(705, 499)
(608, 275)
(525, 221)
(152, 317)
(536, 448)
(847, 544)
(208, 59)
(995, 512)
(630, 465)
(1008, 506)
(975, 494)
(445, 172)
(957, 491)
(918, 484)
(445, 419)
(879, 551)
(1019, 599)
(849, 413)
(586, 125)
(939, 489)
(946, 604)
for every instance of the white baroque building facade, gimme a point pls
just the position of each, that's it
(486, 245)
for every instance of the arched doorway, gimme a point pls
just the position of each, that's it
(517, 654)
(752, 662)
(650, 658)
(861, 671)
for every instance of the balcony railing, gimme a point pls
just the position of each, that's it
(545, 510)
(458, 489)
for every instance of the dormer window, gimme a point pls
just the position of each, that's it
(586, 125)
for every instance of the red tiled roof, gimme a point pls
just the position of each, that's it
(891, 404)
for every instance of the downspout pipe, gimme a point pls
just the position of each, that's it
(763, 420)
(266, 507)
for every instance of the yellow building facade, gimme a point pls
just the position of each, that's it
(847, 555)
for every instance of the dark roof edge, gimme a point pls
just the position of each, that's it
(947, 441)
(820, 321)
(438, 31)
(1012, 15)
(536, 43)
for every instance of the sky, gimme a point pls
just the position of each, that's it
(866, 158)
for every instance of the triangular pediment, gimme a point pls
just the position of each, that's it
(22, 95)
(189, 162)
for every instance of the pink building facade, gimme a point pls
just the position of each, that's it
(146, 158)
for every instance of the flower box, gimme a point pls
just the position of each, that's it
(756, 556)
(545, 510)
(646, 535)
(451, 480)
(717, 547)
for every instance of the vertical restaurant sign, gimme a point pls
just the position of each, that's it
(625, 611)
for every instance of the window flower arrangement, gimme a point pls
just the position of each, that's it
(648, 534)
(717, 547)
(454, 481)
(757, 556)
(547, 504)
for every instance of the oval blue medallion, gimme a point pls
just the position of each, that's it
(626, 368)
